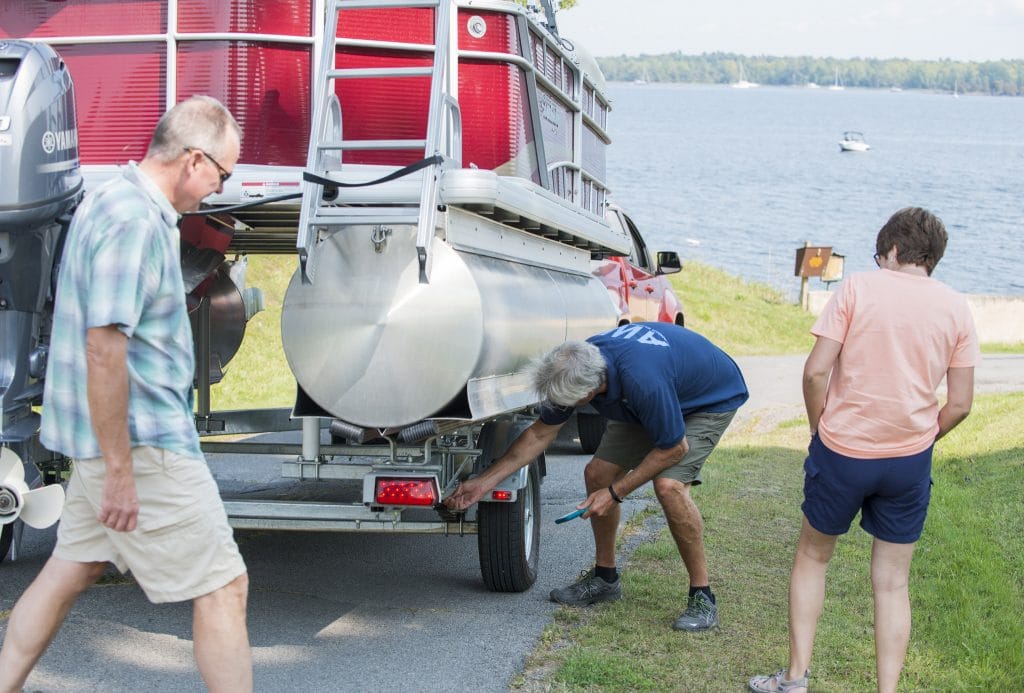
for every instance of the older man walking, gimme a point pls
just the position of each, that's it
(669, 394)
(118, 401)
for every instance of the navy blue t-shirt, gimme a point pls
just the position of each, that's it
(657, 374)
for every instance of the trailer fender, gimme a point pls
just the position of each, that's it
(495, 438)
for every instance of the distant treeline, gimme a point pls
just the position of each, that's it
(1001, 77)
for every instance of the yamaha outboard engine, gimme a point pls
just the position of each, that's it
(40, 184)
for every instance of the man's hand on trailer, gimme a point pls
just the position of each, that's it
(524, 450)
(467, 493)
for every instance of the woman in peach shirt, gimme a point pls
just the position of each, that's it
(884, 343)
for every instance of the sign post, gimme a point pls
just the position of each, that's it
(811, 261)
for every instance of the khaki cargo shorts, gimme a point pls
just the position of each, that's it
(182, 547)
(626, 444)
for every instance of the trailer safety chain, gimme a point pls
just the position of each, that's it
(448, 515)
(326, 182)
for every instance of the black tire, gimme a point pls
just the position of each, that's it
(591, 429)
(6, 535)
(509, 538)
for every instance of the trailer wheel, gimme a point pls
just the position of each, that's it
(509, 538)
(6, 535)
(591, 428)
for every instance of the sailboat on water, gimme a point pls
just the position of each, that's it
(743, 83)
(837, 85)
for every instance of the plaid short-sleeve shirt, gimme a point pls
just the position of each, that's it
(121, 266)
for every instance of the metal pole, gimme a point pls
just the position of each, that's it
(310, 438)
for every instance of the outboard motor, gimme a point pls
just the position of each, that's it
(40, 184)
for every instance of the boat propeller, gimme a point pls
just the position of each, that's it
(38, 508)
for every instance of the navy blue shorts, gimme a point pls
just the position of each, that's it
(892, 493)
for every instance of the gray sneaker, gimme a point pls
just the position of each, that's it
(588, 589)
(701, 614)
(778, 683)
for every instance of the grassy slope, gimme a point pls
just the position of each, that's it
(967, 585)
(743, 318)
(748, 318)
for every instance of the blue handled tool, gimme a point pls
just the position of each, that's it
(571, 516)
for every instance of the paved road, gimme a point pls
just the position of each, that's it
(339, 612)
(329, 612)
(775, 389)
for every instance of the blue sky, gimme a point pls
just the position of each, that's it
(915, 29)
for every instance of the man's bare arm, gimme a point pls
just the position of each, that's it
(530, 443)
(106, 350)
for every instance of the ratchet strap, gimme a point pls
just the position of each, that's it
(326, 182)
(404, 171)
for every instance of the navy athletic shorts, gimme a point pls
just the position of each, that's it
(892, 493)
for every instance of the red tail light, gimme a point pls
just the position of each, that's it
(500, 495)
(406, 492)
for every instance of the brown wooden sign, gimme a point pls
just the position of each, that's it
(812, 260)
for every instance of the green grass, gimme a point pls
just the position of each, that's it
(748, 318)
(967, 583)
(258, 375)
(743, 318)
(1002, 348)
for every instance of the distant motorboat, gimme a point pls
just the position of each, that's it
(853, 141)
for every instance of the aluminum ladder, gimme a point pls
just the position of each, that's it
(443, 136)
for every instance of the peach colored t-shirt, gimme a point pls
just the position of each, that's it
(900, 334)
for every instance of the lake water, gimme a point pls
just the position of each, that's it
(740, 178)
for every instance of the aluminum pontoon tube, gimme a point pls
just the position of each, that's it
(373, 346)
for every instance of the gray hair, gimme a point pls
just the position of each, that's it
(569, 372)
(201, 122)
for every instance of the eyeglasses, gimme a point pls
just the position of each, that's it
(878, 259)
(224, 173)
